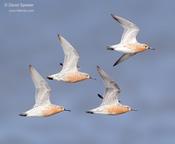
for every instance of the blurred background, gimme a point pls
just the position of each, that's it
(146, 80)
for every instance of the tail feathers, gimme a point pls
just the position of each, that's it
(23, 114)
(90, 112)
(110, 48)
(56, 76)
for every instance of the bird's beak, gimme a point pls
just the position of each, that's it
(150, 48)
(92, 78)
(132, 109)
(67, 110)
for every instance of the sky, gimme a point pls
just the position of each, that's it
(146, 80)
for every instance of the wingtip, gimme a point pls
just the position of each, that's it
(30, 65)
(115, 17)
(98, 67)
(115, 64)
(59, 36)
(61, 64)
(100, 96)
(30, 68)
(112, 14)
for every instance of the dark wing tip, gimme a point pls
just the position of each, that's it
(30, 65)
(30, 68)
(121, 59)
(115, 17)
(59, 36)
(98, 67)
(112, 15)
(61, 64)
(118, 88)
(124, 57)
(116, 63)
(100, 96)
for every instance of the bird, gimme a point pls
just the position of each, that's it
(42, 107)
(128, 44)
(70, 69)
(110, 101)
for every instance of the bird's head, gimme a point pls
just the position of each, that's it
(87, 76)
(147, 47)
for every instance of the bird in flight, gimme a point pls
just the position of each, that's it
(70, 70)
(43, 107)
(128, 44)
(110, 104)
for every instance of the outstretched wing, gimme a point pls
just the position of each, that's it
(130, 30)
(123, 58)
(112, 90)
(42, 88)
(71, 56)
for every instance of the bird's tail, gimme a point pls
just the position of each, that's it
(90, 112)
(50, 77)
(23, 114)
(110, 48)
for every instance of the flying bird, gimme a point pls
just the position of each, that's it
(110, 104)
(43, 107)
(128, 44)
(70, 70)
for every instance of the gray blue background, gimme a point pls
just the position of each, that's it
(146, 80)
